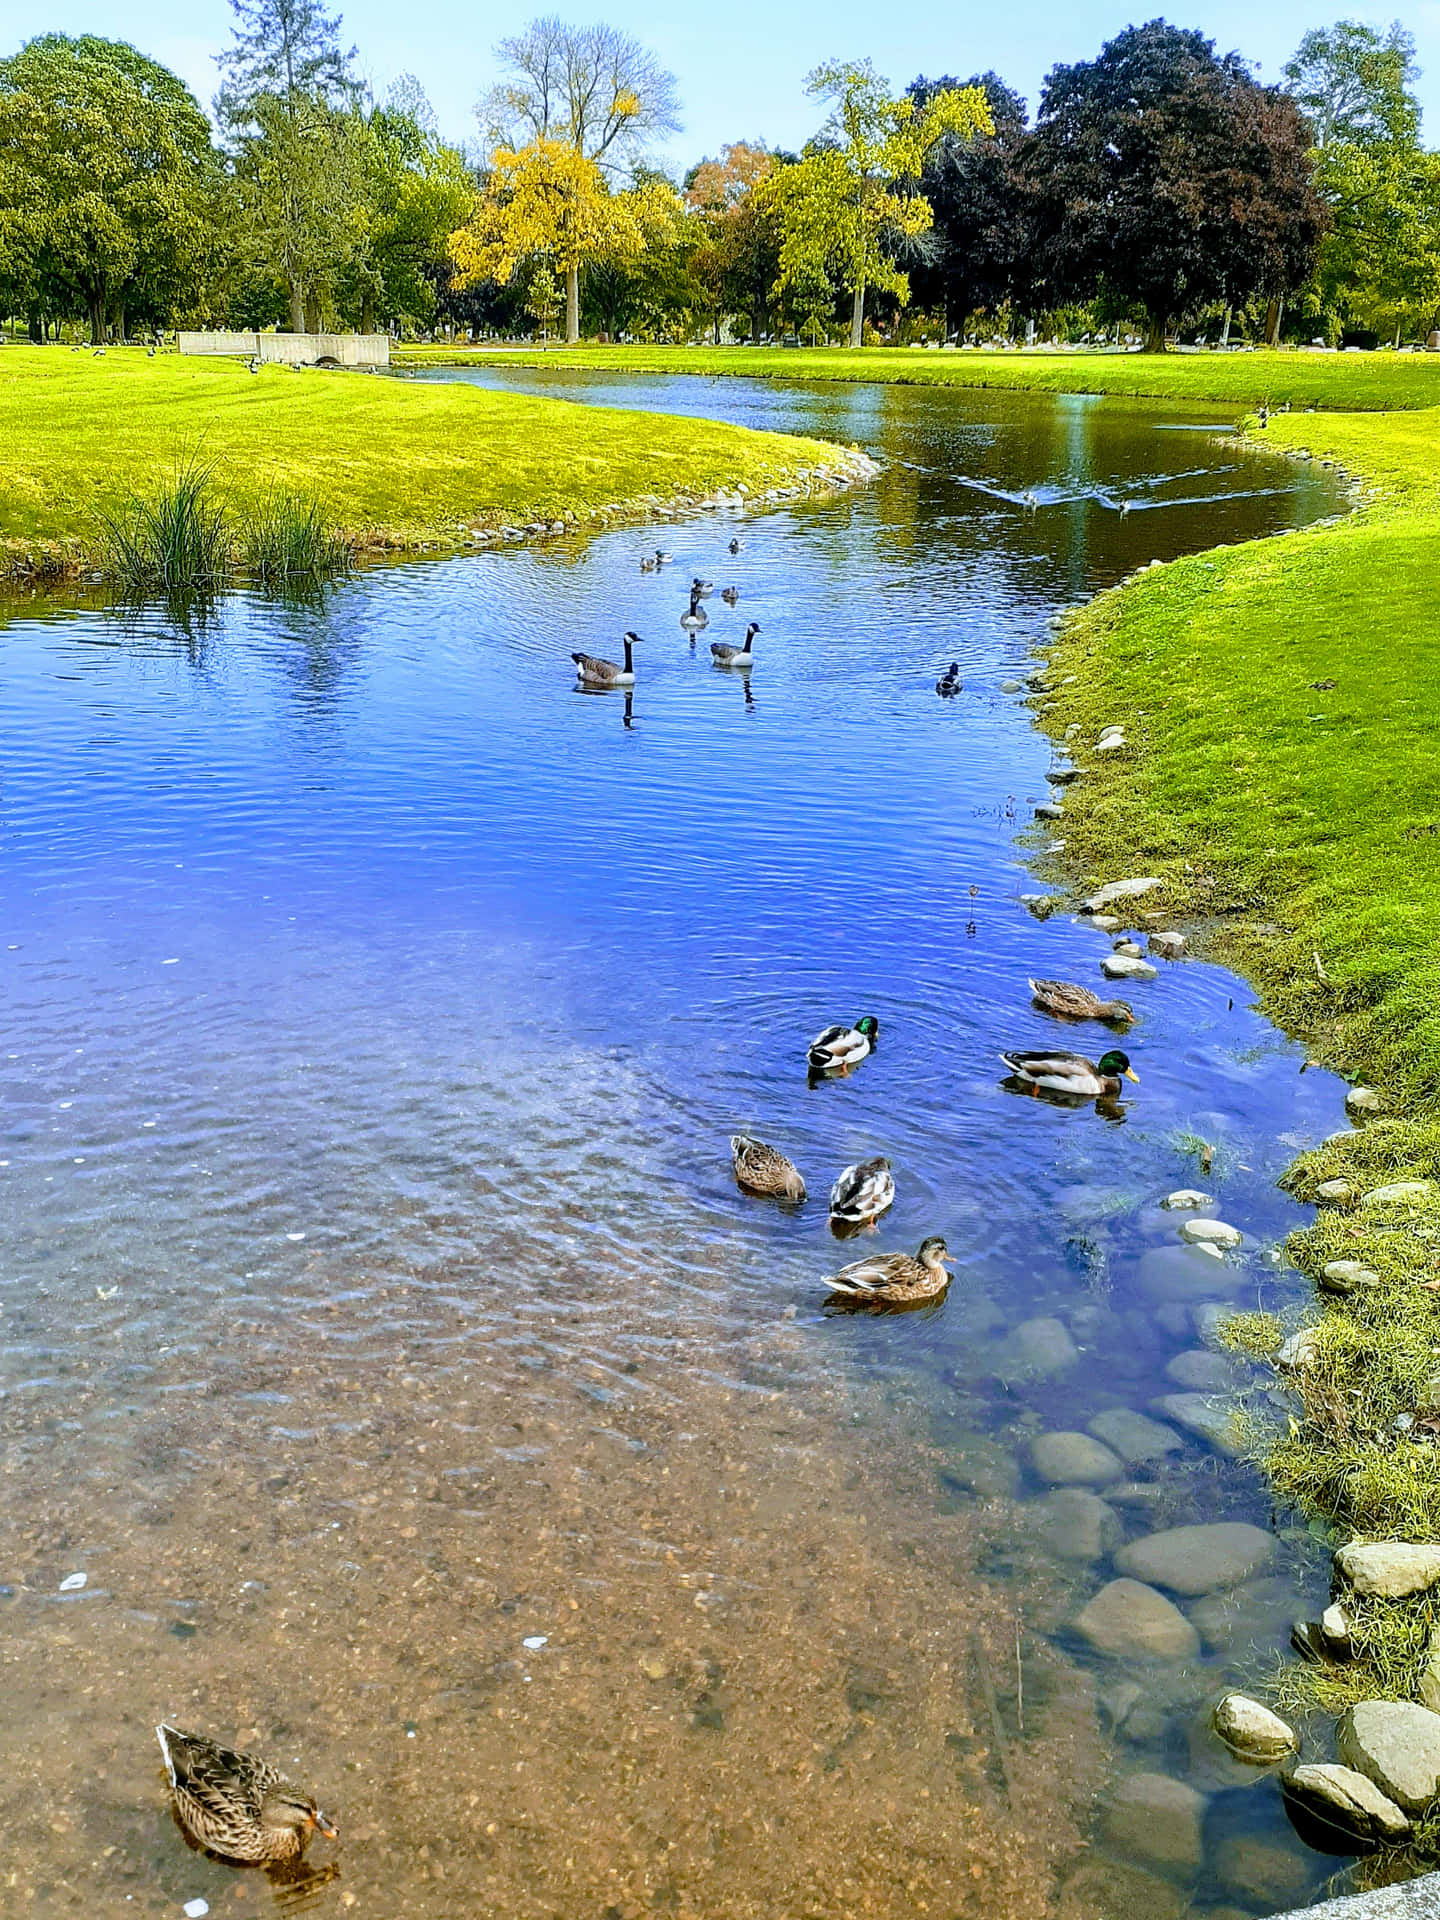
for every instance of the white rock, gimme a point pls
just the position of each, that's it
(1335, 1193)
(1121, 890)
(1409, 1193)
(1106, 922)
(195, 1909)
(1388, 1568)
(1130, 948)
(1344, 1798)
(1299, 1350)
(1112, 743)
(1397, 1745)
(73, 1582)
(1347, 1276)
(1252, 1730)
(534, 1641)
(1121, 966)
(1210, 1233)
(1335, 1632)
(1363, 1100)
(1187, 1200)
(1169, 945)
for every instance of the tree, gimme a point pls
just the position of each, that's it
(738, 256)
(413, 192)
(284, 48)
(1355, 85)
(1165, 177)
(843, 206)
(1380, 264)
(549, 200)
(108, 181)
(593, 89)
(971, 187)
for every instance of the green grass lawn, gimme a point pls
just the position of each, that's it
(394, 463)
(1356, 381)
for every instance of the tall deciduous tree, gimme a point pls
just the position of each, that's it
(846, 200)
(108, 180)
(1356, 85)
(594, 89)
(1165, 177)
(286, 48)
(971, 187)
(739, 254)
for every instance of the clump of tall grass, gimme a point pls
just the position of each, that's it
(292, 541)
(174, 541)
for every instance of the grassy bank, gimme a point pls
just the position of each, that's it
(391, 463)
(1360, 382)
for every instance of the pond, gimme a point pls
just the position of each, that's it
(385, 1339)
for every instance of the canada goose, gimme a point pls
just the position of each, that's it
(696, 618)
(737, 656)
(950, 682)
(605, 673)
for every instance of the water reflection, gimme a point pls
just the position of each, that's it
(377, 1295)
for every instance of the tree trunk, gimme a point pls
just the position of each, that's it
(1274, 314)
(857, 316)
(367, 313)
(1225, 330)
(312, 313)
(1155, 336)
(297, 307)
(572, 306)
(97, 320)
(37, 330)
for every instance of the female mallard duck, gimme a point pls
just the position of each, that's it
(862, 1193)
(605, 673)
(649, 566)
(765, 1170)
(697, 618)
(730, 595)
(1072, 1073)
(736, 656)
(950, 682)
(235, 1805)
(838, 1049)
(897, 1279)
(1078, 1003)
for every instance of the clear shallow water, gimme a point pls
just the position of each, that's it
(375, 1288)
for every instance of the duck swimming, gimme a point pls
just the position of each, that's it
(1072, 1073)
(764, 1170)
(604, 673)
(896, 1279)
(838, 1049)
(729, 595)
(1074, 1002)
(862, 1193)
(950, 682)
(737, 656)
(235, 1805)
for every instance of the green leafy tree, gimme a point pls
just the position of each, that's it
(1355, 85)
(737, 255)
(108, 182)
(542, 297)
(413, 191)
(845, 205)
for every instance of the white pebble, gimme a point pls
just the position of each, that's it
(294, 1236)
(195, 1908)
(535, 1641)
(73, 1582)
(1214, 1233)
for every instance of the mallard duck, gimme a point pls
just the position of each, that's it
(896, 1278)
(1072, 1073)
(662, 558)
(235, 1805)
(605, 673)
(730, 595)
(838, 1049)
(863, 1192)
(736, 545)
(696, 618)
(704, 588)
(649, 566)
(765, 1170)
(950, 682)
(1077, 1003)
(736, 656)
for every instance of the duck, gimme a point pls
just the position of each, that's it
(736, 545)
(696, 619)
(764, 1170)
(704, 588)
(863, 1192)
(1072, 1073)
(1078, 1003)
(235, 1805)
(896, 1279)
(662, 558)
(950, 682)
(605, 673)
(838, 1049)
(649, 566)
(736, 656)
(729, 595)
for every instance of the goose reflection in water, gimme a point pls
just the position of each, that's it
(627, 718)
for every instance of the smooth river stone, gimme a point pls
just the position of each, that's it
(1250, 1729)
(1268, 1873)
(1409, 1193)
(1187, 1200)
(1156, 1819)
(1073, 1459)
(1211, 1416)
(1210, 1233)
(1124, 966)
(1120, 890)
(1134, 1436)
(1346, 1799)
(1075, 1524)
(1388, 1568)
(1184, 1273)
(1038, 1348)
(1258, 1613)
(1128, 1617)
(1195, 1560)
(1397, 1745)
(1199, 1370)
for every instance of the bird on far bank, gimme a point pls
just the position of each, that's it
(727, 656)
(235, 1805)
(696, 620)
(1072, 1073)
(595, 672)
(838, 1048)
(764, 1170)
(950, 683)
(1072, 1002)
(862, 1193)
(895, 1279)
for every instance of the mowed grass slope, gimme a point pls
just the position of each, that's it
(1262, 792)
(1358, 381)
(392, 462)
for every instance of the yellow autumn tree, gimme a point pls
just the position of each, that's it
(548, 200)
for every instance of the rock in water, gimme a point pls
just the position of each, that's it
(1209, 1415)
(1388, 1568)
(1397, 1745)
(1134, 1436)
(1123, 966)
(1038, 1348)
(1154, 1818)
(1201, 1371)
(1340, 1797)
(1210, 1233)
(1252, 1730)
(1073, 1459)
(1075, 1524)
(1194, 1560)
(1169, 946)
(1128, 1617)
(1187, 1199)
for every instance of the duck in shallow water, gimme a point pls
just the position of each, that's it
(838, 1049)
(1072, 1073)
(729, 595)
(236, 1805)
(737, 656)
(604, 673)
(862, 1193)
(764, 1170)
(896, 1279)
(1074, 1002)
(950, 682)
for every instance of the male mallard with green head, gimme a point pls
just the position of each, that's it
(235, 1805)
(838, 1049)
(1072, 1073)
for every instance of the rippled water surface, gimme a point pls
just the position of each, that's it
(384, 1338)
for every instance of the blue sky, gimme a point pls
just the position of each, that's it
(740, 63)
